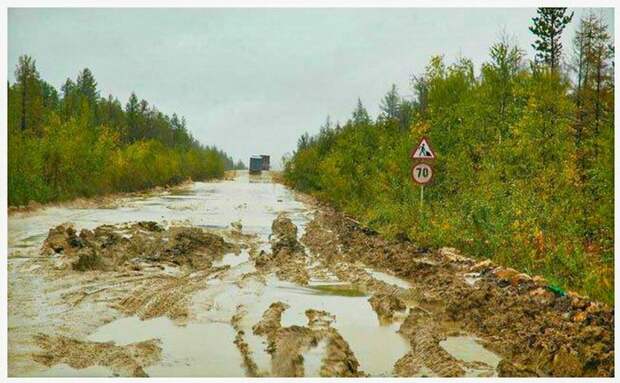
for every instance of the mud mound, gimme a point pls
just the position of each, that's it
(287, 258)
(128, 360)
(339, 360)
(270, 322)
(386, 305)
(286, 349)
(284, 235)
(287, 344)
(114, 247)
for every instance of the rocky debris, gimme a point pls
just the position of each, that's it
(386, 305)
(114, 247)
(482, 266)
(128, 360)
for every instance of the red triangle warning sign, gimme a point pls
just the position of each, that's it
(423, 151)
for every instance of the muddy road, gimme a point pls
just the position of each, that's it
(244, 277)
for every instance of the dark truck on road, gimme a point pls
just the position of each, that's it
(259, 163)
(256, 164)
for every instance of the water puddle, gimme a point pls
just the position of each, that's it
(64, 370)
(388, 278)
(197, 349)
(467, 349)
(232, 259)
(313, 359)
(205, 346)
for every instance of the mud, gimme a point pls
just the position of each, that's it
(287, 257)
(131, 246)
(128, 360)
(386, 306)
(537, 332)
(287, 344)
(283, 289)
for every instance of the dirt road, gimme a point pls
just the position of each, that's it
(245, 278)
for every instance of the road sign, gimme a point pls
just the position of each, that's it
(423, 151)
(422, 173)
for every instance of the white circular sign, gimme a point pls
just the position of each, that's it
(422, 173)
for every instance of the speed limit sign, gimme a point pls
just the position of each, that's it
(422, 173)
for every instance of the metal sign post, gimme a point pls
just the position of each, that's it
(421, 196)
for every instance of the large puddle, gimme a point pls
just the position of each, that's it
(204, 346)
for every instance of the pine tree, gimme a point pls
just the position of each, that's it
(548, 27)
(390, 105)
(360, 114)
(87, 86)
(30, 91)
(132, 110)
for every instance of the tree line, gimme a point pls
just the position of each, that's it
(74, 142)
(524, 173)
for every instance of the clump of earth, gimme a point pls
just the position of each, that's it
(113, 247)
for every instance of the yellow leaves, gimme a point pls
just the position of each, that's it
(419, 128)
(539, 240)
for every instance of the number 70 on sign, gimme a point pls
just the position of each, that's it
(422, 173)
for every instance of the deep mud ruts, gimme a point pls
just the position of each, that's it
(253, 280)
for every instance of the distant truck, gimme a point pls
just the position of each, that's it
(265, 158)
(256, 164)
(259, 163)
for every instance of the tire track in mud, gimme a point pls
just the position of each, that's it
(130, 278)
(538, 332)
(147, 271)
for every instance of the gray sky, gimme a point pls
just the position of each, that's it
(253, 80)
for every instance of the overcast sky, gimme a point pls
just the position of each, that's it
(253, 80)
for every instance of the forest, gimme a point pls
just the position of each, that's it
(76, 143)
(524, 172)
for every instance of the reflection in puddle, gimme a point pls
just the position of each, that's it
(388, 278)
(313, 358)
(346, 290)
(355, 320)
(197, 349)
